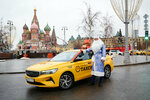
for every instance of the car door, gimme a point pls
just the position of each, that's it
(88, 65)
(82, 64)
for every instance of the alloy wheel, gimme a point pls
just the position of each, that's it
(66, 81)
(107, 72)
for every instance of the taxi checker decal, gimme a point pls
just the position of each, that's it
(78, 69)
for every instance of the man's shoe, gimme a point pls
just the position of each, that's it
(91, 84)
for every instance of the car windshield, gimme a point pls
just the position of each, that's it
(64, 56)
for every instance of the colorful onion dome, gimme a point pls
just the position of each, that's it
(25, 27)
(34, 26)
(28, 32)
(41, 32)
(21, 42)
(47, 28)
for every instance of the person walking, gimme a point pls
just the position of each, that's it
(98, 59)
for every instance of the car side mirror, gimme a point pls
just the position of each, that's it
(81, 54)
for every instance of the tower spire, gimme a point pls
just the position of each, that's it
(53, 32)
(54, 40)
(35, 20)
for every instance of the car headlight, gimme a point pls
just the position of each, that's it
(52, 71)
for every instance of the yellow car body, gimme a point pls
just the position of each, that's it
(136, 52)
(144, 52)
(36, 74)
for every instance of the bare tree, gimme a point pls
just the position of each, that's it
(90, 21)
(106, 24)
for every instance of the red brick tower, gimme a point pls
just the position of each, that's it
(25, 29)
(53, 38)
(35, 20)
(47, 29)
(34, 36)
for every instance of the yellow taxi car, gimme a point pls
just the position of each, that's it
(144, 52)
(64, 69)
(136, 52)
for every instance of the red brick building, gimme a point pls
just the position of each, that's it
(36, 39)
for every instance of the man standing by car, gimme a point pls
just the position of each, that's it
(98, 59)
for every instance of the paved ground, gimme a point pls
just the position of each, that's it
(18, 65)
(126, 83)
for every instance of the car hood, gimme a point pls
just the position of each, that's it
(45, 66)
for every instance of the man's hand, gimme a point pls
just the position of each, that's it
(102, 60)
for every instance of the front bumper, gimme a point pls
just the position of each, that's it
(50, 80)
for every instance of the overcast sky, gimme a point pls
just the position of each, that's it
(60, 13)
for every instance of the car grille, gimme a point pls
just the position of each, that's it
(36, 83)
(32, 73)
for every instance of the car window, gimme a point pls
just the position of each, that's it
(83, 56)
(64, 56)
(90, 54)
(86, 56)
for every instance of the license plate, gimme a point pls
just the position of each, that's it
(30, 80)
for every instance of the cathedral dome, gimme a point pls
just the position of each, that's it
(28, 32)
(41, 32)
(25, 27)
(47, 28)
(34, 26)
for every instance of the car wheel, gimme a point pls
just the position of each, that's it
(66, 81)
(107, 72)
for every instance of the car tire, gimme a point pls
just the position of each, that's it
(66, 81)
(107, 72)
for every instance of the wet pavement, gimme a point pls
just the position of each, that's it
(19, 65)
(126, 83)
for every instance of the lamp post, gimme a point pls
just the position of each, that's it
(126, 11)
(1, 36)
(10, 23)
(64, 29)
(135, 31)
(132, 39)
(146, 30)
